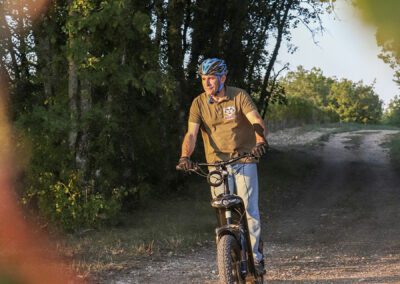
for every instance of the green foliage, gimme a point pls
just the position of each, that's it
(341, 100)
(59, 193)
(311, 85)
(45, 129)
(72, 204)
(392, 113)
(355, 102)
(384, 15)
(394, 150)
(297, 111)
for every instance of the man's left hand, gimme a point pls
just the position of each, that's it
(260, 149)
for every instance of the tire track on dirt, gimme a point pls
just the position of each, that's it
(345, 229)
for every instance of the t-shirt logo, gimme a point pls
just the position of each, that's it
(229, 112)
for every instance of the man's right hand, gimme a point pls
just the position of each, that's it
(184, 164)
(260, 149)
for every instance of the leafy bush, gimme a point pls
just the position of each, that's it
(352, 102)
(355, 102)
(72, 204)
(52, 184)
(392, 113)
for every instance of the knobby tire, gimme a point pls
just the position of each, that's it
(228, 257)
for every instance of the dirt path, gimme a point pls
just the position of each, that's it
(345, 228)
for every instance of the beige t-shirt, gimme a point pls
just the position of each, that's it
(224, 127)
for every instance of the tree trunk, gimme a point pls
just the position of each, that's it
(82, 141)
(46, 62)
(257, 38)
(265, 93)
(10, 46)
(159, 12)
(23, 47)
(174, 44)
(73, 102)
(175, 54)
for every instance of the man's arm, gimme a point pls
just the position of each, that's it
(189, 142)
(258, 124)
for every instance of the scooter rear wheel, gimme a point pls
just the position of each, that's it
(229, 260)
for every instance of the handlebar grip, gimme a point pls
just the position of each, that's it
(194, 168)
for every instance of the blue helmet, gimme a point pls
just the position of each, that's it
(213, 66)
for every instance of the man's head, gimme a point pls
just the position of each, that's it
(213, 75)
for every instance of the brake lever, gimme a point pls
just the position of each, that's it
(195, 167)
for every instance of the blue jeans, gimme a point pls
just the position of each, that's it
(243, 181)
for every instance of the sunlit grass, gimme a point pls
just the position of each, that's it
(157, 228)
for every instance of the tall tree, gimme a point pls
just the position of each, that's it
(308, 84)
(247, 34)
(355, 102)
(18, 60)
(392, 112)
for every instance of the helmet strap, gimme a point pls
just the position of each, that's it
(220, 86)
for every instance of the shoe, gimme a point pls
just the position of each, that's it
(259, 267)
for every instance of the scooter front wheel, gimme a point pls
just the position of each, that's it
(228, 256)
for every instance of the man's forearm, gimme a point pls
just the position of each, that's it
(188, 145)
(260, 131)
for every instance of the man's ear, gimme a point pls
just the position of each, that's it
(223, 78)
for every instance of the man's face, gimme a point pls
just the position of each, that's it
(210, 83)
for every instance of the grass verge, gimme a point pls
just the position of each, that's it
(156, 229)
(394, 150)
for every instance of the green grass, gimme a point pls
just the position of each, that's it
(157, 228)
(394, 150)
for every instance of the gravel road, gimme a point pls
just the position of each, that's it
(344, 228)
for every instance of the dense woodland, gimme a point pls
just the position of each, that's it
(100, 91)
